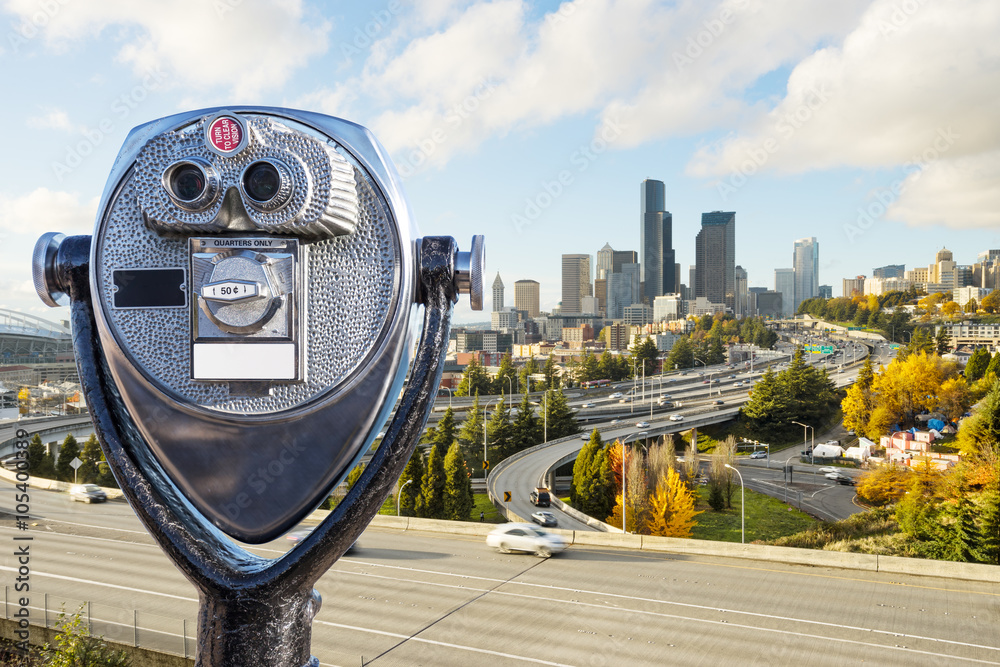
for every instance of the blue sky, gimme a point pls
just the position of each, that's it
(871, 125)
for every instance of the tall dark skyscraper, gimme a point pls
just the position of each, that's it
(656, 242)
(715, 258)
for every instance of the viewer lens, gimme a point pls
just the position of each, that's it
(262, 182)
(187, 182)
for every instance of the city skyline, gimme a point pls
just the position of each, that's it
(529, 123)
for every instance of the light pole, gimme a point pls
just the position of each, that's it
(545, 408)
(812, 450)
(449, 396)
(510, 391)
(399, 494)
(624, 492)
(743, 524)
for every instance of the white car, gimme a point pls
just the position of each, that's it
(642, 424)
(832, 475)
(617, 394)
(665, 397)
(587, 405)
(676, 418)
(828, 469)
(525, 537)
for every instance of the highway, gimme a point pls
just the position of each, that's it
(819, 496)
(414, 598)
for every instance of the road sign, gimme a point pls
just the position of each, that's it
(506, 496)
(486, 465)
(76, 463)
(827, 349)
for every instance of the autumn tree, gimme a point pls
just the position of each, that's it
(859, 403)
(981, 431)
(720, 477)
(671, 508)
(883, 485)
(991, 302)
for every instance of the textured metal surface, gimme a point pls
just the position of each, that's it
(360, 269)
(324, 205)
(255, 611)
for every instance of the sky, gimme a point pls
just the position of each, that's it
(870, 125)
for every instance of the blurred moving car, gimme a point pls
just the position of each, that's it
(525, 537)
(676, 418)
(544, 518)
(87, 493)
(299, 535)
(642, 424)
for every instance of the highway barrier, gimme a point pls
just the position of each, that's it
(758, 552)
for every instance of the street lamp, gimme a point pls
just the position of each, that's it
(485, 412)
(743, 507)
(399, 494)
(449, 396)
(510, 391)
(812, 450)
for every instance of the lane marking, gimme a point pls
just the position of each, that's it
(130, 589)
(665, 602)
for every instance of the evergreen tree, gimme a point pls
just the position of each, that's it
(432, 488)
(981, 431)
(506, 378)
(994, 368)
(409, 492)
(475, 380)
(354, 475)
(975, 368)
(580, 486)
(445, 433)
(39, 461)
(767, 404)
(500, 440)
(988, 547)
(590, 369)
(92, 456)
(530, 368)
(471, 435)
(69, 451)
(561, 418)
(458, 500)
(716, 354)
(646, 354)
(942, 341)
(681, 354)
(551, 372)
(526, 430)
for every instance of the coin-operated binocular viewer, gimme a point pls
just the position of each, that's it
(244, 318)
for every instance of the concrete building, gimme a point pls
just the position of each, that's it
(880, 286)
(617, 336)
(638, 314)
(526, 297)
(805, 263)
(854, 286)
(962, 295)
(668, 307)
(655, 241)
(605, 262)
(826, 291)
(702, 306)
(504, 320)
(784, 283)
(590, 305)
(575, 282)
(715, 258)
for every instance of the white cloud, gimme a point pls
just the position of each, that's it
(52, 119)
(44, 210)
(957, 193)
(243, 46)
(615, 57)
(907, 75)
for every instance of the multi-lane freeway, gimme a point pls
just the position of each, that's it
(416, 598)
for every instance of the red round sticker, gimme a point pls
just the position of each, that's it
(226, 134)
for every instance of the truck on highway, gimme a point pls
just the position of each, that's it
(540, 497)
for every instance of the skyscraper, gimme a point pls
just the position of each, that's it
(784, 284)
(805, 262)
(575, 281)
(655, 241)
(742, 307)
(526, 297)
(889, 271)
(605, 261)
(715, 258)
(497, 294)
(623, 290)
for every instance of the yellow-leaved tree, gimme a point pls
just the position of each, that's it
(883, 484)
(671, 508)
